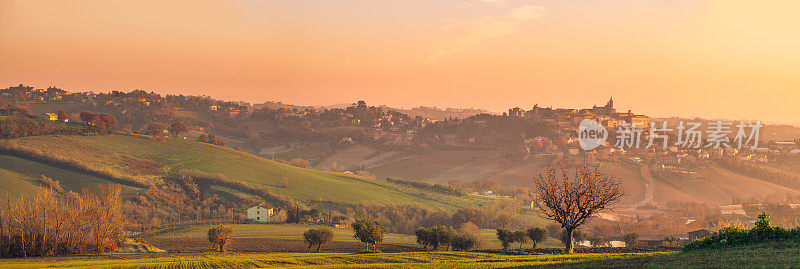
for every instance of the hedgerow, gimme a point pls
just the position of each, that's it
(734, 236)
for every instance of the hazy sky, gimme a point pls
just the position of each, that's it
(727, 58)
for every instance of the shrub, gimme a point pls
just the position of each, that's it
(763, 232)
(299, 163)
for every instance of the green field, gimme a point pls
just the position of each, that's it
(279, 231)
(143, 160)
(759, 256)
(20, 176)
(295, 231)
(322, 260)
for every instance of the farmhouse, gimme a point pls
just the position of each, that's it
(259, 214)
(50, 116)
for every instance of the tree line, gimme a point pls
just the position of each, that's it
(59, 224)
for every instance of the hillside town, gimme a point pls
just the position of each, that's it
(538, 132)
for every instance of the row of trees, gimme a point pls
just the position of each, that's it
(20, 126)
(445, 236)
(536, 235)
(52, 224)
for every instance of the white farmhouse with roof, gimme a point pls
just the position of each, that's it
(259, 214)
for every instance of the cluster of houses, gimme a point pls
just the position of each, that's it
(569, 118)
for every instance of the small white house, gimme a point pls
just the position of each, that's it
(259, 214)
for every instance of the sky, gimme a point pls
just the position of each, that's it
(727, 59)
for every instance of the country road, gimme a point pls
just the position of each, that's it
(649, 185)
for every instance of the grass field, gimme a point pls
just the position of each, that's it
(295, 232)
(143, 159)
(322, 260)
(758, 256)
(279, 231)
(20, 176)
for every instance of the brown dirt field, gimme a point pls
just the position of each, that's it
(194, 245)
(718, 186)
(585, 250)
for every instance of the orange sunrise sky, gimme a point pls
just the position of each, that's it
(715, 59)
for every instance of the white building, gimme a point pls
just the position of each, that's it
(259, 214)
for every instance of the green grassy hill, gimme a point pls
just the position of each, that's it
(140, 161)
(20, 176)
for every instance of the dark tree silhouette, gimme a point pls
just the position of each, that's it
(572, 200)
(537, 235)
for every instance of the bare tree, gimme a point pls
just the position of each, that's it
(572, 200)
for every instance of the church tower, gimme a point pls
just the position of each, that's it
(610, 102)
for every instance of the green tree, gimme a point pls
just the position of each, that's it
(444, 235)
(506, 237)
(463, 242)
(520, 237)
(318, 237)
(368, 231)
(537, 235)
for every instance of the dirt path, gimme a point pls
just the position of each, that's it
(649, 186)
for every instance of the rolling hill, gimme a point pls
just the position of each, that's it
(139, 161)
(20, 176)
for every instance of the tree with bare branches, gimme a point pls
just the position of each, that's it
(571, 199)
(220, 236)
